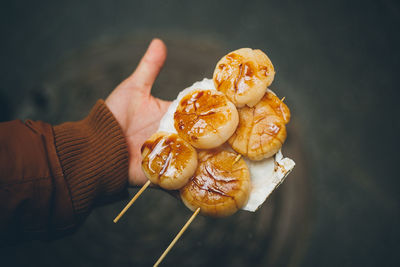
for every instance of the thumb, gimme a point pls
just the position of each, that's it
(149, 66)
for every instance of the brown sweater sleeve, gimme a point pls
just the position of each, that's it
(51, 177)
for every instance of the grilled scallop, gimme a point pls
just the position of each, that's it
(220, 185)
(244, 75)
(205, 118)
(168, 160)
(261, 131)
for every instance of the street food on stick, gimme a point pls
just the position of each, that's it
(205, 118)
(220, 185)
(261, 131)
(265, 174)
(168, 160)
(244, 75)
(214, 180)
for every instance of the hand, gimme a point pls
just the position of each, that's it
(136, 110)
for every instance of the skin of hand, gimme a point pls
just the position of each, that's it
(136, 110)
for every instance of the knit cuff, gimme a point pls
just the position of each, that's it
(94, 157)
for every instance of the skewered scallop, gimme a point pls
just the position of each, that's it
(205, 118)
(261, 131)
(280, 108)
(217, 182)
(244, 75)
(220, 185)
(168, 160)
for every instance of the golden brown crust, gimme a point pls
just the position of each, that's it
(220, 185)
(243, 76)
(280, 108)
(261, 131)
(168, 160)
(205, 118)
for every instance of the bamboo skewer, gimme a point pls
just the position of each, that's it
(131, 202)
(237, 158)
(177, 237)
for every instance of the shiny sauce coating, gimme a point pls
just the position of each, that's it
(280, 108)
(237, 75)
(220, 185)
(199, 113)
(166, 156)
(261, 131)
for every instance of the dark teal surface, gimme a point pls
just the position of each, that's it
(337, 64)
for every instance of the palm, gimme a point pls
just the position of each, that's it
(143, 125)
(136, 110)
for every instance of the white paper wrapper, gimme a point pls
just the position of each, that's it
(266, 175)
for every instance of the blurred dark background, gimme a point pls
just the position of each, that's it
(337, 64)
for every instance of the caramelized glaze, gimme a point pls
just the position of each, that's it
(166, 157)
(236, 75)
(220, 185)
(280, 108)
(261, 131)
(203, 113)
(243, 75)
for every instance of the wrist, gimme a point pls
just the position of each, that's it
(94, 157)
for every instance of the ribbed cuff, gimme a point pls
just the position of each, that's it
(94, 157)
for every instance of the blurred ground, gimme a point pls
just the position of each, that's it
(337, 65)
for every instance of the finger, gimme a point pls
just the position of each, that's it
(150, 65)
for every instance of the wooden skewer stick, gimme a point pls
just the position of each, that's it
(177, 237)
(283, 98)
(131, 202)
(237, 158)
